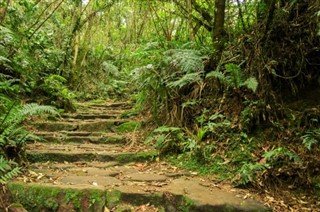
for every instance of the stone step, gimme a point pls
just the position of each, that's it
(81, 137)
(71, 152)
(114, 105)
(73, 133)
(86, 116)
(109, 125)
(86, 194)
(81, 167)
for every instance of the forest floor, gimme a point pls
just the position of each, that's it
(96, 158)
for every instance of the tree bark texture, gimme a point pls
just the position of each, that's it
(218, 33)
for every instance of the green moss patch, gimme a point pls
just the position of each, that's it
(49, 198)
(135, 157)
(113, 198)
(129, 126)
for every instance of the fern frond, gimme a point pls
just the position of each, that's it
(6, 35)
(10, 175)
(217, 74)
(6, 171)
(311, 138)
(4, 165)
(186, 60)
(8, 118)
(151, 46)
(12, 130)
(249, 171)
(4, 60)
(185, 80)
(18, 114)
(251, 83)
(236, 77)
(275, 154)
(35, 109)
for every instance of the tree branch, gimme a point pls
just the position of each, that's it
(49, 16)
(39, 17)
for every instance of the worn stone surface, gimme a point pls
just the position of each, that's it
(83, 165)
(88, 125)
(145, 177)
(91, 180)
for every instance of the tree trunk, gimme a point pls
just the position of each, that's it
(191, 32)
(76, 50)
(218, 26)
(218, 33)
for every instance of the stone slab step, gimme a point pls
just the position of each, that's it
(62, 172)
(71, 152)
(81, 137)
(91, 126)
(97, 111)
(178, 195)
(75, 133)
(113, 105)
(85, 116)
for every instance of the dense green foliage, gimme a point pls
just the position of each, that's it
(231, 86)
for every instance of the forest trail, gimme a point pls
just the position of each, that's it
(93, 160)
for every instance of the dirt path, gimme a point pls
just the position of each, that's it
(93, 160)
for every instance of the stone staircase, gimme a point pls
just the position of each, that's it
(93, 160)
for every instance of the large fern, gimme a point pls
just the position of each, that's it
(185, 60)
(17, 114)
(183, 67)
(234, 78)
(12, 135)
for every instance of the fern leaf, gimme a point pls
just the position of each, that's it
(236, 77)
(311, 138)
(35, 109)
(185, 80)
(275, 154)
(251, 83)
(6, 171)
(17, 114)
(4, 165)
(216, 74)
(4, 60)
(186, 60)
(10, 175)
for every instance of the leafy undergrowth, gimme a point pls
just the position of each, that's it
(278, 160)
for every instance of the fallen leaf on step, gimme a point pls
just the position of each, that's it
(106, 209)
(140, 165)
(40, 176)
(33, 173)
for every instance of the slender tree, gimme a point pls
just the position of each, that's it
(218, 33)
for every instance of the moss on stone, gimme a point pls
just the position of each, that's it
(49, 198)
(35, 197)
(129, 126)
(113, 198)
(141, 156)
